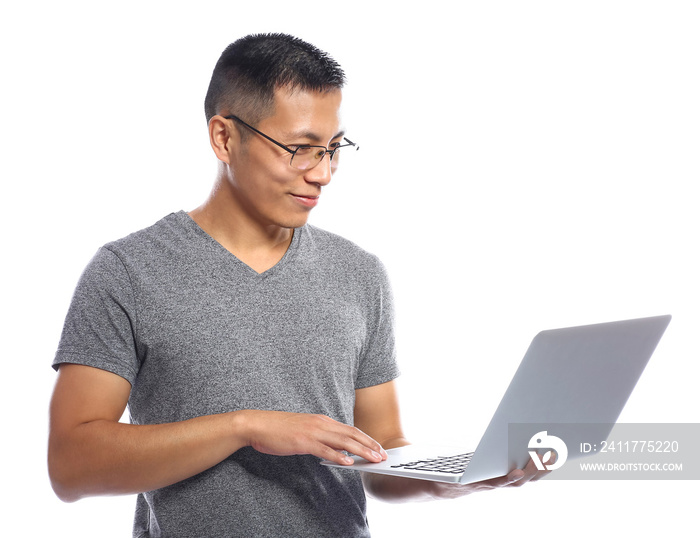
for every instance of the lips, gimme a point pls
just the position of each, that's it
(306, 200)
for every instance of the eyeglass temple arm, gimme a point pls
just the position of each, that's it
(350, 143)
(285, 148)
(236, 118)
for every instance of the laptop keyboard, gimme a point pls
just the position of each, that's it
(450, 464)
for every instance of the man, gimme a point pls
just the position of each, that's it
(238, 334)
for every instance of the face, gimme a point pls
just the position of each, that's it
(263, 185)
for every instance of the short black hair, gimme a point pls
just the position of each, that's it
(252, 68)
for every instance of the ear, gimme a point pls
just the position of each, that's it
(222, 137)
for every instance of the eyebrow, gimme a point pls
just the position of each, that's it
(312, 136)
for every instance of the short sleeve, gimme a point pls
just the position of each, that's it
(378, 361)
(99, 329)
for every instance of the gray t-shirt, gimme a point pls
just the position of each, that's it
(197, 332)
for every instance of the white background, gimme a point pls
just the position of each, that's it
(524, 165)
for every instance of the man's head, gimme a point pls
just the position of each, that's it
(252, 68)
(274, 100)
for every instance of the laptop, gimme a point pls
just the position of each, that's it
(570, 387)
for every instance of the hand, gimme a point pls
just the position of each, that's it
(285, 434)
(515, 478)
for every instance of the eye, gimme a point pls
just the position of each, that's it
(302, 150)
(316, 152)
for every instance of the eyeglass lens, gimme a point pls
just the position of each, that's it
(306, 158)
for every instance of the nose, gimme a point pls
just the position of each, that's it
(321, 173)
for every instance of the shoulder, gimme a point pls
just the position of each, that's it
(340, 251)
(330, 256)
(158, 251)
(168, 232)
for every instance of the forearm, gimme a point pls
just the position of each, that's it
(103, 457)
(394, 489)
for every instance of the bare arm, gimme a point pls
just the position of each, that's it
(92, 453)
(377, 414)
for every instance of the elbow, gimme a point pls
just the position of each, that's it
(63, 490)
(63, 486)
(66, 494)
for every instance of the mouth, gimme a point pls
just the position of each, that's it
(306, 201)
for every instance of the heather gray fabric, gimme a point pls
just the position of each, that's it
(197, 332)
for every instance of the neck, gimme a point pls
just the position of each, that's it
(258, 246)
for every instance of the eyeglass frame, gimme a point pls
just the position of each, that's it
(330, 152)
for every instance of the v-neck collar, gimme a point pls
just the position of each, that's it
(190, 224)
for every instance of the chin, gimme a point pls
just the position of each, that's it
(293, 222)
(298, 224)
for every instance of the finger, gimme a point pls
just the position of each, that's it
(327, 453)
(366, 441)
(358, 443)
(329, 438)
(532, 473)
(512, 478)
(518, 478)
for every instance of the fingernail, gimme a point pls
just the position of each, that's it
(348, 460)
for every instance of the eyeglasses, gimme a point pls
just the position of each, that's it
(305, 157)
